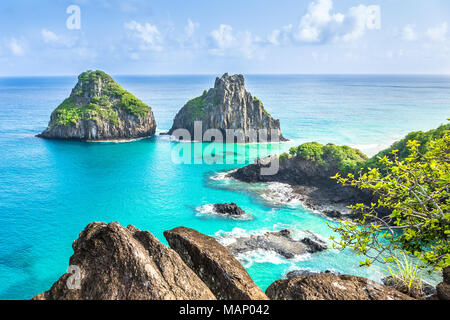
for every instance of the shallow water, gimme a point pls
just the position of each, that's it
(50, 190)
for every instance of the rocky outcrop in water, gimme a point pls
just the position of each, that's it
(327, 286)
(280, 242)
(311, 184)
(118, 263)
(223, 274)
(228, 106)
(99, 109)
(228, 209)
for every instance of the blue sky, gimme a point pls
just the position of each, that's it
(213, 37)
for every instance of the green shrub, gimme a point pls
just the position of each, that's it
(406, 277)
(195, 108)
(423, 138)
(345, 158)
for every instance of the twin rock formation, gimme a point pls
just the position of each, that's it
(99, 109)
(117, 263)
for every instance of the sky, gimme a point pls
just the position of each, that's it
(58, 37)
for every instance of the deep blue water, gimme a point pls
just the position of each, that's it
(50, 190)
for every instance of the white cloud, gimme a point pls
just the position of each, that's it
(224, 41)
(315, 23)
(281, 37)
(49, 36)
(320, 24)
(148, 33)
(17, 47)
(191, 28)
(223, 37)
(360, 19)
(438, 33)
(409, 33)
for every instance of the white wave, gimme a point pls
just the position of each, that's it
(268, 256)
(228, 237)
(222, 176)
(281, 194)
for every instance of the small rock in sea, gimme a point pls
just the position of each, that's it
(229, 209)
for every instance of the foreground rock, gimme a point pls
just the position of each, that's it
(99, 109)
(306, 273)
(228, 209)
(223, 274)
(280, 242)
(119, 263)
(327, 286)
(426, 290)
(228, 106)
(443, 288)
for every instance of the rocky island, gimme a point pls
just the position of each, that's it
(99, 109)
(228, 106)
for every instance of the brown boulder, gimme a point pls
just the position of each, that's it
(212, 262)
(327, 286)
(443, 288)
(118, 263)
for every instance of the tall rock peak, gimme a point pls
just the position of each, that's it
(228, 106)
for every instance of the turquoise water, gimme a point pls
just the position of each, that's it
(50, 190)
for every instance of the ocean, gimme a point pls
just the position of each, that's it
(50, 190)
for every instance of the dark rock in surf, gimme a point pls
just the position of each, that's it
(228, 209)
(280, 242)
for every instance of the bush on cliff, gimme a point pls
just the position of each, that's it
(347, 159)
(423, 138)
(414, 187)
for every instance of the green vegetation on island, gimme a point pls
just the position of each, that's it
(423, 138)
(194, 107)
(97, 97)
(345, 158)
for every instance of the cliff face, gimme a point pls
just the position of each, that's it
(100, 109)
(228, 106)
